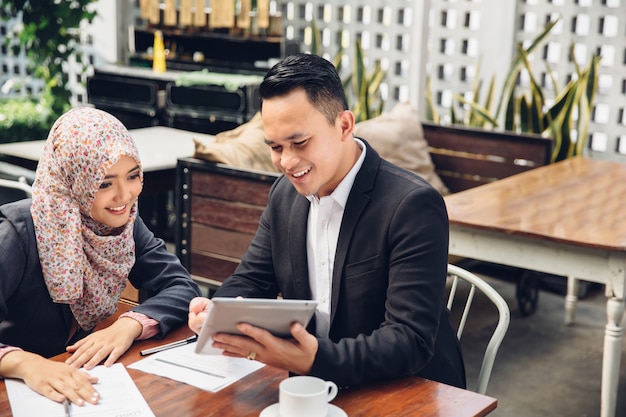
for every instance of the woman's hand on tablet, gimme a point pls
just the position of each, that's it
(197, 313)
(198, 308)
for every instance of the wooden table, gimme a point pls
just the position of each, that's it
(248, 397)
(567, 219)
(159, 148)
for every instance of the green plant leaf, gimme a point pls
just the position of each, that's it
(516, 65)
(510, 123)
(358, 71)
(526, 118)
(453, 118)
(431, 109)
(490, 95)
(316, 39)
(590, 80)
(562, 120)
(375, 79)
(531, 124)
(479, 110)
(471, 118)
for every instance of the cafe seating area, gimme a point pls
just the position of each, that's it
(544, 242)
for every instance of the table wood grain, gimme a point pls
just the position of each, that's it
(578, 200)
(248, 397)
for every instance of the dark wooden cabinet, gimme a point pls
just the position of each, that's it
(135, 96)
(140, 97)
(218, 210)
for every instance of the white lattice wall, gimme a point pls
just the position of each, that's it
(444, 39)
(15, 79)
(455, 41)
(390, 32)
(461, 32)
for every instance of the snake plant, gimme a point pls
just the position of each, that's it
(362, 88)
(566, 119)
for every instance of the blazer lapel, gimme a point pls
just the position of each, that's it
(358, 200)
(298, 216)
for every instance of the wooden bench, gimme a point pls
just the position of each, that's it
(465, 158)
(218, 206)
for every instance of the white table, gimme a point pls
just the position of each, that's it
(159, 148)
(567, 219)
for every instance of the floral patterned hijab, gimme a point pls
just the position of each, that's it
(85, 264)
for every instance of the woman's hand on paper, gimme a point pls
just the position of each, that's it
(104, 345)
(54, 380)
(294, 355)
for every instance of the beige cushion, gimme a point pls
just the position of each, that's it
(243, 147)
(398, 137)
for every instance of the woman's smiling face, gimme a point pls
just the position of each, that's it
(117, 193)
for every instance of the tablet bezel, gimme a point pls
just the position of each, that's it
(274, 315)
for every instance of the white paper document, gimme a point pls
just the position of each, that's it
(207, 372)
(119, 396)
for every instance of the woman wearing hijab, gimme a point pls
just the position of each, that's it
(66, 256)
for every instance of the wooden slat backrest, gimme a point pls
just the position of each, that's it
(465, 157)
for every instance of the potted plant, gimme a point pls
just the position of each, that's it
(566, 120)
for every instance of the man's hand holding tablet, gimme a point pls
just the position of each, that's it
(222, 315)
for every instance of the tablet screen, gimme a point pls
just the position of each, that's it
(274, 315)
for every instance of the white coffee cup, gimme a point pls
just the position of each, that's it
(305, 396)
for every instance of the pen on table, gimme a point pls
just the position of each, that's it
(169, 345)
(67, 406)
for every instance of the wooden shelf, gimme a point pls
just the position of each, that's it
(243, 54)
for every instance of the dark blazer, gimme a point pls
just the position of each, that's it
(28, 317)
(388, 314)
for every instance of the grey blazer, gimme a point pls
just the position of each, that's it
(28, 317)
(388, 315)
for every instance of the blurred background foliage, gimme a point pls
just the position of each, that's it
(49, 34)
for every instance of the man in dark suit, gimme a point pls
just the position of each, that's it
(365, 238)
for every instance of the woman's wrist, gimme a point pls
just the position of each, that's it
(130, 325)
(150, 327)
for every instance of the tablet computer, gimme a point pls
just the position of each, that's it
(274, 315)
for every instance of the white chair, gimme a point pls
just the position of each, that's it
(455, 274)
(13, 190)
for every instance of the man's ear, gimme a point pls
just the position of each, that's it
(346, 123)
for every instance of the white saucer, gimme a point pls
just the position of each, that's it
(272, 411)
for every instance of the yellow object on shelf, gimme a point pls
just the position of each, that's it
(158, 60)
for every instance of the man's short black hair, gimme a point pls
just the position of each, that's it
(315, 75)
